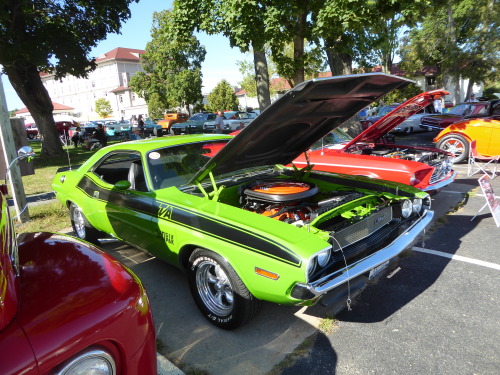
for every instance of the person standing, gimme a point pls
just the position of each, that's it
(140, 124)
(472, 98)
(219, 123)
(438, 106)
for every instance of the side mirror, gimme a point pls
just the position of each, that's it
(122, 185)
(24, 152)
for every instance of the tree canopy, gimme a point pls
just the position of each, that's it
(103, 107)
(172, 67)
(55, 37)
(222, 98)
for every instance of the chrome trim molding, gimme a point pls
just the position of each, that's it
(442, 183)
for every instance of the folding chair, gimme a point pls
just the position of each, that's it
(480, 163)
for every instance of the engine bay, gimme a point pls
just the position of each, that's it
(405, 153)
(296, 203)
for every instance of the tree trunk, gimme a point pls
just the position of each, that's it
(261, 79)
(453, 42)
(340, 63)
(35, 97)
(298, 49)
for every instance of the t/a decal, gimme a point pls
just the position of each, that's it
(165, 211)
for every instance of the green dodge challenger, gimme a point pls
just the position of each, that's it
(244, 227)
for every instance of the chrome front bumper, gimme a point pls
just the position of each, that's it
(317, 288)
(442, 183)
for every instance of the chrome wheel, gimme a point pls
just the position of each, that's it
(79, 222)
(81, 226)
(457, 145)
(214, 288)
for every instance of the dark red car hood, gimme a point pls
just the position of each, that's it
(396, 117)
(299, 118)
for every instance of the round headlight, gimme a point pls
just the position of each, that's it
(417, 205)
(311, 267)
(95, 362)
(324, 257)
(406, 208)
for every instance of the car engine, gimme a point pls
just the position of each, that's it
(292, 202)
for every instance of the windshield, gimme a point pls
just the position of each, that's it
(175, 166)
(386, 110)
(336, 137)
(202, 117)
(461, 109)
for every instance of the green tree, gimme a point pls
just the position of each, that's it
(222, 98)
(103, 107)
(243, 22)
(55, 37)
(172, 67)
(156, 108)
(365, 32)
(461, 39)
(402, 95)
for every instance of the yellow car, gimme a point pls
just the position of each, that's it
(457, 137)
(172, 118)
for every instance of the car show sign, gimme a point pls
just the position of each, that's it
(491, 200)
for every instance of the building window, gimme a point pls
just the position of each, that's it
(93, 83)
(121, 98)
(133, 97)
(431, 81)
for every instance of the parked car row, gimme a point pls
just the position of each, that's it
(458, 127)
(438, 122)
(484, 129)
(63, 128)
(204, 122)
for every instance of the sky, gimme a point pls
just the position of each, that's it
(220, 60)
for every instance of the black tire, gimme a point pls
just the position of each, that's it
(31, 136)
(457, 145)
(218, 291)
(81, 226)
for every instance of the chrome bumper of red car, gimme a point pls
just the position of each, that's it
(320, 287)
(441, 184)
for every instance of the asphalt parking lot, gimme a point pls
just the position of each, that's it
(435, 311)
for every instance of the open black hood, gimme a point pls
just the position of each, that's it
(299, 118)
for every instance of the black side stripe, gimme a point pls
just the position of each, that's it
(192, 219)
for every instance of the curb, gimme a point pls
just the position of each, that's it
(165, 367)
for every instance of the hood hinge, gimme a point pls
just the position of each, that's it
(214, 195)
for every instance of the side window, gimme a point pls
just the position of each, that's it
(483, 110)
(122, 166)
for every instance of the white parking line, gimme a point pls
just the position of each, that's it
(458, 257)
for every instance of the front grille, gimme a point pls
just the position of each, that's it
(361, 249)
(430, 121)
(441, 170)
(362, 229)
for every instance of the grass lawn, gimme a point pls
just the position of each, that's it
(46, 167)
(51, 216)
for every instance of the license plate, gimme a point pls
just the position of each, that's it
(375, 271)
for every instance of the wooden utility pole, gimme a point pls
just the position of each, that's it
(9, 153)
